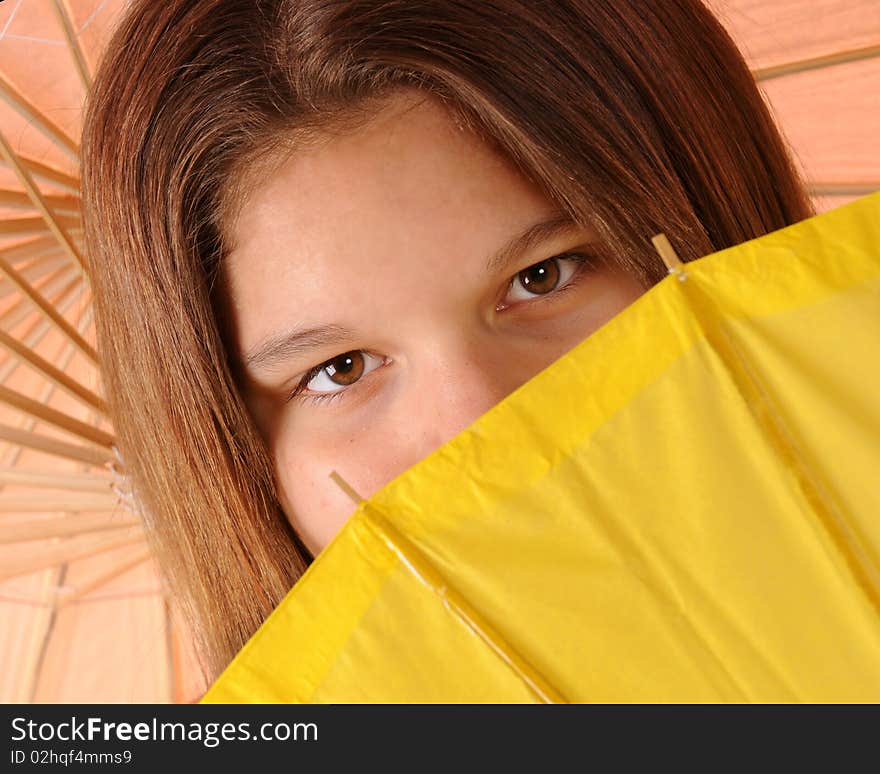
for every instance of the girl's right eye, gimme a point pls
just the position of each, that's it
(341, 371)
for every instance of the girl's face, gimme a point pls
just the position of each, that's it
(407, 278)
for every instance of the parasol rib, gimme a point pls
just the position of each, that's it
(91, 454)
(53, 374)
(60, 280)
(32, 337)
(423, 570)
(43, 504)
(843, 189)
(79, 59)
(16, 200)
(47, 309)
(104, 578)
(170, 681)
(49, 174)
(816, 62)
(74, 482)
(36, 271)
(419, 565)
(65, 526)
(759, 402)
(36, 197)
(14, 98)
(30, 226)
(40, 327)
(58, 574)
(81, 547)
(33, 248)
(52, 416)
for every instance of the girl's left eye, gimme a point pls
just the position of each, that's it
(549, 276)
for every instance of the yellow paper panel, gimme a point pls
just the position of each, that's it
(679, 509)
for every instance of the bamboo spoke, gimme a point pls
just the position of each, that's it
(16, 200)
(33, 248)
(36, 197)
(62, 277)
(172, 691)
(63, 526)
(14, 98)
(70, 35)
(50, 175)
(29, 226)
(36, 267)
(31, 338)
(41, 326)
(843, 189)
(104, 578)
(21, 599)
(29, 503)
(75, 482)
(47, 309)
(91, 454)
(81, 547)
(40, 636)
(38, 270)
(34, 270)
(54, 417)
(816, 62)
(63, 301)
(56, 596)
(53, 374)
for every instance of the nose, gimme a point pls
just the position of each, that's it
(454, 382)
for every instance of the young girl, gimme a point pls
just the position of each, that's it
(330, 234)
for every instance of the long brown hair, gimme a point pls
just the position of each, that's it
(633, 116)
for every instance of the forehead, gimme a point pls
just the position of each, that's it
(368, 214)
(370, 144)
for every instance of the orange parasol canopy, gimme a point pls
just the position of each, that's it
(83, 616)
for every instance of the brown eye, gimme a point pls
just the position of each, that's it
(345, 369)
(335, 377)
(547, 278)
(540, 278)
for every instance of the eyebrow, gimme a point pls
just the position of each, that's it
(556, 224)
(289, 345)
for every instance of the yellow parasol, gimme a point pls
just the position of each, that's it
(82, 613)
(683, 508)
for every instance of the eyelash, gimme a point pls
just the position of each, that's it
(583, 259)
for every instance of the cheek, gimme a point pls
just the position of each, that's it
(306, 494)
(314, 504)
